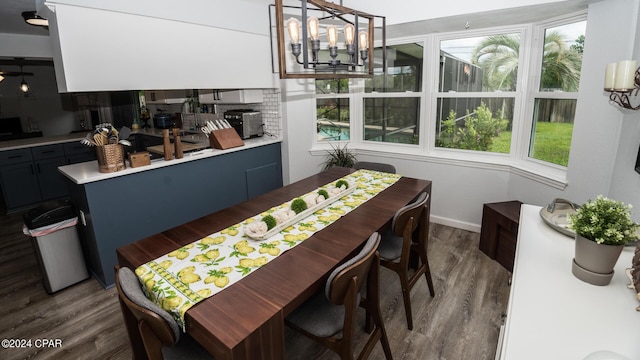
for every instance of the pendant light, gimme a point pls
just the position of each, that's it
(24, 87)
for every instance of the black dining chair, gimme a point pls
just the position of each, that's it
(329, 316)
(397, 246)
(388, 168)
(159, 332)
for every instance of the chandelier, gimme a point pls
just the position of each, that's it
(314, 32)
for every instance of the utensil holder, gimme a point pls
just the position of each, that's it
(225, 139)
(110, 158)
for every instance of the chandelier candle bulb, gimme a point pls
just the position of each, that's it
(312, 25)
(349, 34)
(625, 75)
(332, 35)
(363, 40)
(610, 76)
(293, 26)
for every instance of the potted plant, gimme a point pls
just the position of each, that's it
(339, 156)
(602, 226)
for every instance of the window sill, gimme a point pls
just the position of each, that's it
(532, 170)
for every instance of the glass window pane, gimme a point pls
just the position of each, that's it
(332, 122)
(393, 120)
(487, 63)
(332, 86)
(404, 70)
(481, 124)
(562, 57)
(552, 130)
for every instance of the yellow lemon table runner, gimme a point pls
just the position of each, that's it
(178, 280)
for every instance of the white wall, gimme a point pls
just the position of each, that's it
(45, 107)
(603, 152)
(625, 182)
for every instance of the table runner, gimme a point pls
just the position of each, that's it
(178, 280)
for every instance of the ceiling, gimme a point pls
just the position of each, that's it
(11, 20)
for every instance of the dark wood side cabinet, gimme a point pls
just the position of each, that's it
(499, 231)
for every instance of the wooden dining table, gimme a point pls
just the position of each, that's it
(246, 320)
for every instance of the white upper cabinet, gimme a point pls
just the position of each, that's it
(229, 96)
(103, 50)
(165, 96)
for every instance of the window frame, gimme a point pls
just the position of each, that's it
(534, 92)
(529, 73)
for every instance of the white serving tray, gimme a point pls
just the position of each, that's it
(276, 229)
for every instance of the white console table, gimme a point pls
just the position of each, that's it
(554, 315)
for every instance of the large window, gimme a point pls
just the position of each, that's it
(477, 84)
(391, 105)
(493, 94)
(557, 93)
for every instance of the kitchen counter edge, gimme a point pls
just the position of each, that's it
(87, 172)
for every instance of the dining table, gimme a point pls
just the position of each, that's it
(246, 319)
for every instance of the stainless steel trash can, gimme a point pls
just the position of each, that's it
(53, 229)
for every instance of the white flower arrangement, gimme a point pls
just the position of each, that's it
(604, 221)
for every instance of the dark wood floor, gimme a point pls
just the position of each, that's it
(461, 322)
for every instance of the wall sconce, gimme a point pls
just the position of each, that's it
(304, 36)
(621, 80)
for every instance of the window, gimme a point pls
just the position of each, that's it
(557, 93)
(505, 94)
(391, 104)
(476, 92)
(332, 110)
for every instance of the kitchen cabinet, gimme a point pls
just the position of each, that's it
(75, 153)
(29, 176)
(165, 96)
(171, 195)
(51, 182)
(246, 96)
(20, 185)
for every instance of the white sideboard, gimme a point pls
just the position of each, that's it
(554, 315)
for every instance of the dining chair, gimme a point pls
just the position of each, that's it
(157, 331)
(397, 247)
(329, 316)
(388, 168)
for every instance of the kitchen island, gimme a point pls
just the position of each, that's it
(121, 207)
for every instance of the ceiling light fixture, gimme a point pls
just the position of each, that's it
(311, 58)
(32, 18)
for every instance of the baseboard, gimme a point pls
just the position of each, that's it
(455, 223)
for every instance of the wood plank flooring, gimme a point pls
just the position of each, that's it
(461, 322)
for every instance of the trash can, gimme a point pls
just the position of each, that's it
(52, 226)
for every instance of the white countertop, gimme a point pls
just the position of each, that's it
(554, 315)
(40, 141)
(87, 172)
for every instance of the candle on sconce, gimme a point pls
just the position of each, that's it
(610, 76)
(625, 75)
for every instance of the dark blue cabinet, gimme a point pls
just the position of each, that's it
(127, 208)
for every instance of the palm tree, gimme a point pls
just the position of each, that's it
(498, 56)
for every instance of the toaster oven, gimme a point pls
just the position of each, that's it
(246, 122)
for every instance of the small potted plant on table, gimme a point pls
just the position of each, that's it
(602, 226)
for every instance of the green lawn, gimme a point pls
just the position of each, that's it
(551, 144)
